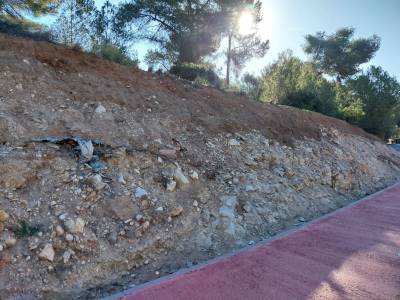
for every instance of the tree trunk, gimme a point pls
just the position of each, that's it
(228, 60)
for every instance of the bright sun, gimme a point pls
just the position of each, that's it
(246, 23)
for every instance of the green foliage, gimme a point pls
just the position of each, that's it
(115, 54)
(339, 54)
(15, 8)
(24, 28)
(156, 59)
(192, 72)
(350, 106)
(370, 100)
(289, 81)
(24, 229)
(250, 85)
(377, 95)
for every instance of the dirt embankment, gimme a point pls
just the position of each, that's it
(111, 176)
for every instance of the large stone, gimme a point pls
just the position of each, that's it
(47, 253)
(227, 214)
(75, 225)
(122, 208)
(168, 153)
(97, 182)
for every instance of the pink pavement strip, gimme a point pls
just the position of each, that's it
(353, 253)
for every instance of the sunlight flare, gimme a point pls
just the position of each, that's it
(246, 23)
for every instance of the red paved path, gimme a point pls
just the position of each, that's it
(351, 254)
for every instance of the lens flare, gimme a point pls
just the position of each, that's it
(246, 23)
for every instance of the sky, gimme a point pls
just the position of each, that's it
(286, 22)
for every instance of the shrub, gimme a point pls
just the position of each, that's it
(25, 229)
(290, 81)
(196, 72)
(115, 54)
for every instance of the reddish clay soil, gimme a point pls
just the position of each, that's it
(214, 109)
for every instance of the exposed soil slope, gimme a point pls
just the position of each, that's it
(130, 175)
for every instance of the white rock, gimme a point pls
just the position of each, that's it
(160, 209)
(121, 179)
(63, 216)
(67, 255)
(100, 109)
(69, 237)
(171, 185)
(194, 175)
(140, 193)
(75, 226)
(59, 230)
(233, 142)
(86, 147)
(180, 177)
(47, 252)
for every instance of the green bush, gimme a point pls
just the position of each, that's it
(290, 81)
(115, 54)
(24, 229)
(196, 72)
(375, 97)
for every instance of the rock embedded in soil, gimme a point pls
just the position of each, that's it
(59, 230)
(97, 182)
(194, 175)
(141, 193)
(47, 253)
(168, 153)
(75, 225)
(100, 109)
(171, 185)
(69, 237)
(177, 211)
(67, 255)
(10, 242)
(4, 216)
(122, 207)
(180, 178)
(233, 142)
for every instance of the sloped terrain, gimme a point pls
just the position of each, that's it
(110, 176)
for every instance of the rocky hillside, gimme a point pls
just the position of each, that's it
(110, 176)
